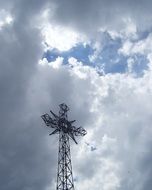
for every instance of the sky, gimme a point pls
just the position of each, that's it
(95, 56)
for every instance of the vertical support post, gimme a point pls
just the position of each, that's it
(66, 130)
(64, 175)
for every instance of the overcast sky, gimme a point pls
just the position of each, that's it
(95, 56)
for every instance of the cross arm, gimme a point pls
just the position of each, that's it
(48, 120)
(79, 131)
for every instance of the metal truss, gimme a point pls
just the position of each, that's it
(65, 129)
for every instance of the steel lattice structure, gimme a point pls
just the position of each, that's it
(65, 129)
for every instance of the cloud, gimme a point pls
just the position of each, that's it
(60, 38)
(55, 64)
(140, 47)
(20, 51)
(117, 121)
(115, 109)
(133, 50)
(5, 18)
(90, 16)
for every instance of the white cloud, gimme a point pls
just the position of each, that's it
(130, 62)
(117, 121)
(43, 61)
(138, 47)
(60, 37)
(79, 70)
(5, 18)
(55, 64)
(127, 30)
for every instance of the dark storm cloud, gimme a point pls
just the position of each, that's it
(21, 149)
(90, 16)
(26, 159)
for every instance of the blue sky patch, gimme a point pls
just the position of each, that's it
(80, 52)
(108, 58)
(140, 64)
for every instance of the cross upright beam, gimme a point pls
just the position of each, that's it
(66, 130)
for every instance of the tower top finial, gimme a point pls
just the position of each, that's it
(64, 107)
